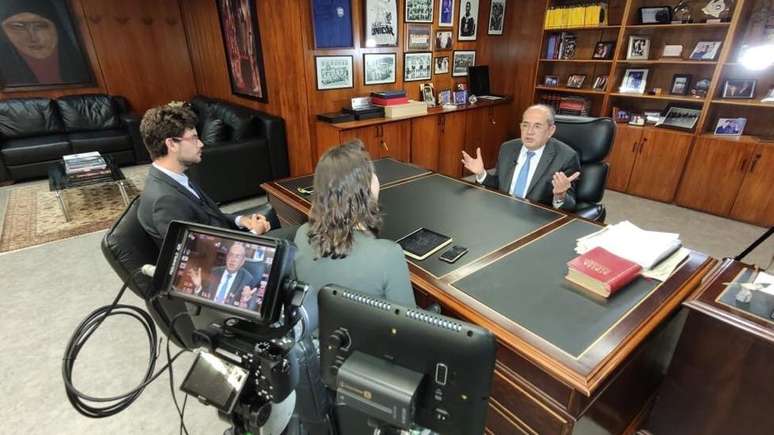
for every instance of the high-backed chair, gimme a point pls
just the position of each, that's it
(592, 139)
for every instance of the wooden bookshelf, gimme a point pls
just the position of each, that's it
(746, 103)
(666, 97)
(578, 60)
(580, 29)
(678, 26)
(667, 62)
(570, 90)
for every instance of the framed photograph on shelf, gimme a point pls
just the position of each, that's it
(620, 115)
(567, 46)
(417, 66)
(576, 81)
(379, 68)
(672, 51)
(242, 42)
(603, 50)
(730, 126)
(445, 97)
(381, 23)
(334, 72)
(600, 83)
(639, 47)
(680, 84)
(418, 37)
(419, 11)
(739, 88)
(705, 50)
(468, 24)
(656, 15)
(551, 81)
(428, 93)
(496, 17)
(443, 40)
(446, 13)
(332, 23)
(441, 65)
(40, 46)
(461, 61)
(652, 116)
(681, 118)
(634, 80)
(461, 97)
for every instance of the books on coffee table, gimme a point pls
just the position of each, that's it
(84, 163)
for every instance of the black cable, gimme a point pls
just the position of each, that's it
(172, 376)
(81, 335)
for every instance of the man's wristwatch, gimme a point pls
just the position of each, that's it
(557, 202)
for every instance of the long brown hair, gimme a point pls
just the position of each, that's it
(342, 202)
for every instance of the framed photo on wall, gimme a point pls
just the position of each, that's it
(468, 24)
(242, 42)
(332, 21)
(462, 60)
(446, 13)
(416, 66)
(443, 40)
(418, 37)
(441, 65)
(419, 11)
(40, 47)
(381, 23)
(496, 17)
(379, 68)
(334, 72)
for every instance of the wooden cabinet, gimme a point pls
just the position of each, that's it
(488, 129)
(659, 164)
(437, 142)
(383, 140)
(452, 142)
(425, 137)
(731, 178)
(648, 161)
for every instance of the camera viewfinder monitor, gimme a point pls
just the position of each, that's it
(229, 271)
(404, 367)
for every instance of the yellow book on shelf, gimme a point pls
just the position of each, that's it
(564, 20)
(551, 18)
(579, 15)
(591, 15)
(547, 20)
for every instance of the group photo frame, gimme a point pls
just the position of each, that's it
(461, 61)
(680, 118)
(419, 11)
(379, 68)
(417, 66)
(334, 72)
(381, 23)
(419, 37)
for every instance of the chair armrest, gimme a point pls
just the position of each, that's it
(131, 122)
(121, 103)
(273, 129)
(4, 174)
(594, 212)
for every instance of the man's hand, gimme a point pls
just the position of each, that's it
(476, 165)
(562, 183)
(247, 293)
(256, 223)
(196, 277)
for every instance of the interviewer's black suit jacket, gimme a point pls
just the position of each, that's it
(557, 156)
(164, 200)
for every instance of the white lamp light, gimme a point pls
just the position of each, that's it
(758, 58)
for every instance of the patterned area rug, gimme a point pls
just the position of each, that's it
(33, 215)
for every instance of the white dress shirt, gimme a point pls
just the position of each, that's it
(521, 160)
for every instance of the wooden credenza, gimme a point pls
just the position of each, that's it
(434, 140)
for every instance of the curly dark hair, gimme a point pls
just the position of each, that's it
(342, 202)
(160, 123)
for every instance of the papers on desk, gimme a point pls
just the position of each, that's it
(626, 240)
(764, 282)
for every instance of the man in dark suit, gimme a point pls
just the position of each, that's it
(169, 133)
(536, 166)
(226, 283)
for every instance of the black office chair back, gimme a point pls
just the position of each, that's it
(592, 139)
(127, 247)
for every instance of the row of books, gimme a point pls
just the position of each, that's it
(561, 46)
(567, 105)
(564, 14)
(84, 163)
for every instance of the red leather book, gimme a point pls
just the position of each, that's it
(388, 101)
(602, 272)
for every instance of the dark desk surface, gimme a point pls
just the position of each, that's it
(512, 280)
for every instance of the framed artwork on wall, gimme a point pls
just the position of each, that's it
(416, 66)
(496, 17)
(334, 72)
(419, 11)
(443, 40)
(379, 68)
(461, 61)
(242, 42)
(468, 25)
(332, 21)
(441, 65)
(381, 23)
(446, 13)
(418, 37)
(40, 47)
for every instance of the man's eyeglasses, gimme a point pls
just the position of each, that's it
(535, 127)
(194, 138)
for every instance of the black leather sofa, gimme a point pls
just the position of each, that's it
(36, 132)
(242, 149)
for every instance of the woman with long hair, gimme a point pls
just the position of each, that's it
(339, 244)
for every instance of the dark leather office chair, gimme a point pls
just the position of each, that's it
(592, 139)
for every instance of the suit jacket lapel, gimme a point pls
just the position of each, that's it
(205, 203)
(545, 160)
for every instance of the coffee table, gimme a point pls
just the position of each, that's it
(58, 182)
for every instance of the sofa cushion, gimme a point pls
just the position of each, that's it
(240, 120)
(104, 141)
(25, 117)
(35, 149)
(214, 131)
(88, 112)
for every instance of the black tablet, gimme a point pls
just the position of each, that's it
(423, 243)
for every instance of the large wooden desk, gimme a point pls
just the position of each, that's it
(567, 362)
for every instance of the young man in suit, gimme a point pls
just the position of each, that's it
(169, 133)
(536, 166)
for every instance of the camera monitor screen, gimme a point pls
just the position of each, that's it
(227, 270)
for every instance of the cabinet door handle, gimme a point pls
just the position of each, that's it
(634, 146)
(642, 145)
(742, 165)
(384, 145)
(754, 161)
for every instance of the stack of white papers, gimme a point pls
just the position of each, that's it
(626, 240)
